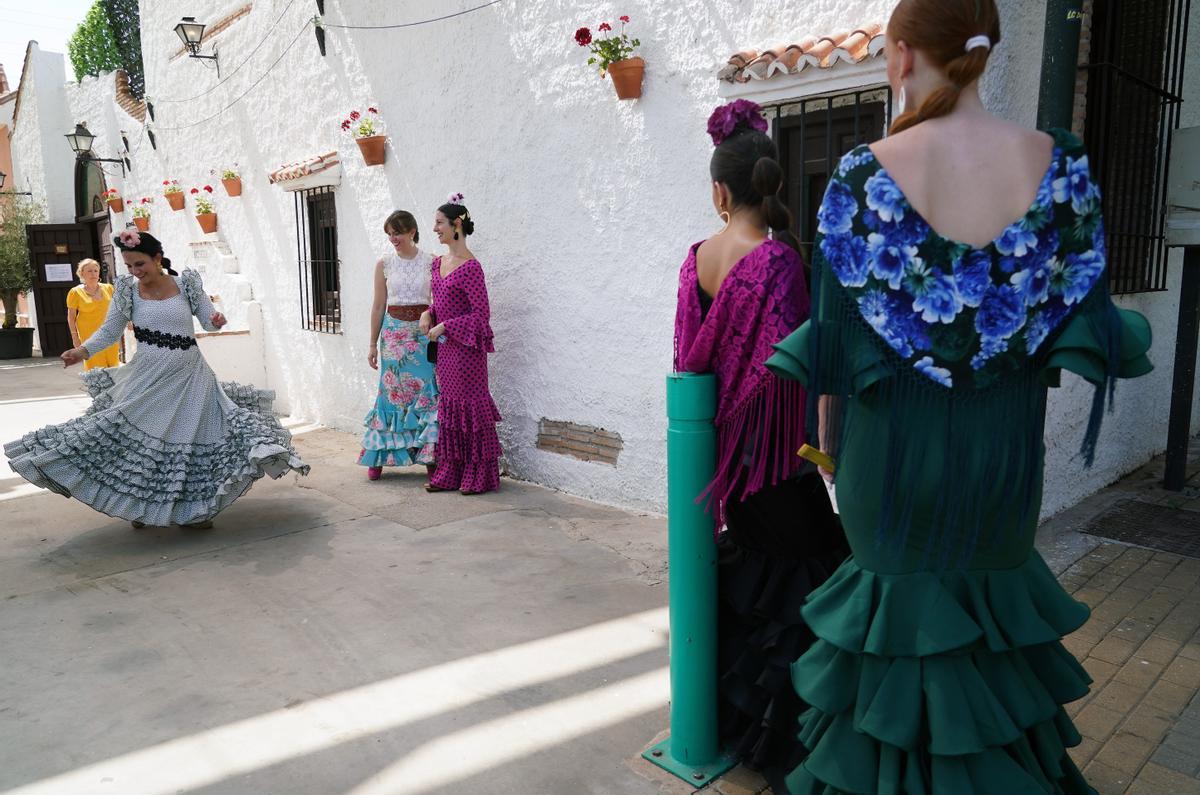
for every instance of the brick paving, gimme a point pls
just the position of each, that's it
(1141, 721)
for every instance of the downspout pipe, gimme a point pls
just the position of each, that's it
(1060, 63)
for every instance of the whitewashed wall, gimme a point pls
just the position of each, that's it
(584, 205)
(42, 162)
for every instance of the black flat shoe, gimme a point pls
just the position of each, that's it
(137, 525)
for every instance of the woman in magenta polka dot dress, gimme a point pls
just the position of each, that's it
(468, 450)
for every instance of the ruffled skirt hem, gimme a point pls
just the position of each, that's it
(939, 683)
(109, 464)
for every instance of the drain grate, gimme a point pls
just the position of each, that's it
(1148, 525)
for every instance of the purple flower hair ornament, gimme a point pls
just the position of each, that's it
(739, 114)
(455, 198)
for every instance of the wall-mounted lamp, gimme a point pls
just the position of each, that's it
(81, 144)
(3, 177)
(191, 33)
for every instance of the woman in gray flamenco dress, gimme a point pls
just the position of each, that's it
(163, 442)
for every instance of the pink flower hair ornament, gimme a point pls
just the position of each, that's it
(130, 238)
(737, 115)
(455, 198)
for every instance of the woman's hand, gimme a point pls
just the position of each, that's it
(437, 331)
(218, 320)
(373, 358)
(426, 322)
(73, 356)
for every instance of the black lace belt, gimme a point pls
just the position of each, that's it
(161, 339)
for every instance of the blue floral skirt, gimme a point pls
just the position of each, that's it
(401, 428)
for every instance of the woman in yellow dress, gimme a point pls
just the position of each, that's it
(87, 305)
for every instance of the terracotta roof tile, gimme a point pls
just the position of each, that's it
(303, 168)
(125, 98)
(824, 52)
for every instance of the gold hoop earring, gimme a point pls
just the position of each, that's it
(727, 218)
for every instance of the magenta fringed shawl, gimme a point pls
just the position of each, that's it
(760, 418)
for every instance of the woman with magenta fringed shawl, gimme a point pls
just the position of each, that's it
(740, 293)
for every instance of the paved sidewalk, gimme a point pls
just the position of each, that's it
(1141, 721)
(328, 635)
(335, 635)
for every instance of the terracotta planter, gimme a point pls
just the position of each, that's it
(143, 224)
(174, 199)
(117, 205)
(627, 77)
(208, 222)
(373, 149)
(233, 186)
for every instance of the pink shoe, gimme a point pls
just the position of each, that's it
(374, 473)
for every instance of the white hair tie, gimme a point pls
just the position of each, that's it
(978, 41)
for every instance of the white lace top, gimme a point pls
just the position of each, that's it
(407, 279)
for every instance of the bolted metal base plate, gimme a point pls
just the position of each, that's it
(696, 775)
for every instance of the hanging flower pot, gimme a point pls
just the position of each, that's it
(231, 178)
(114, 200)
(142, 222)
(205, 214)
(627, 77)
(173, 194)
(373, 148)
(368, 134)
(612, 53)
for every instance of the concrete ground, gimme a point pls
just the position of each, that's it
(331, 635)
(328, 635)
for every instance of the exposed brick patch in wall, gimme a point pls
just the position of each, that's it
(1079, 111)
(217, 27)
(585, 442)
(125, 98)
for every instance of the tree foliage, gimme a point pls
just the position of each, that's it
(126, 25)
(16, 274)
(92, 48)
(110, 38)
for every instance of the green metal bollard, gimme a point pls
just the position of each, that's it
(692, 751)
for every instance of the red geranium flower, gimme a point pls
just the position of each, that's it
(372, 110)
(166, 182)
(354, 115)
(605, 27)
(208, 188)
(346, 124)
(625, 19)
(583, 37)
(195, 190)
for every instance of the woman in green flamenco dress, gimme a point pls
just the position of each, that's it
(959, 268)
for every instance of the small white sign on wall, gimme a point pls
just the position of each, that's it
(59, 272)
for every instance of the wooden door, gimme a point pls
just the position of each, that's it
(54, 250)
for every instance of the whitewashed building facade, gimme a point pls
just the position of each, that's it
(584, 205)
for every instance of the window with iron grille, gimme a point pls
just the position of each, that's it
(812, 135)
(1134, 84)
(316, 246)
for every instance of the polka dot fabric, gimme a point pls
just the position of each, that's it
(468, 449)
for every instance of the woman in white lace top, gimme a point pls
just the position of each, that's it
(401, 426)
